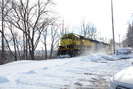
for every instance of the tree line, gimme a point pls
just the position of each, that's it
(26, 24)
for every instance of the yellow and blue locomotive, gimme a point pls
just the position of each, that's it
(73, 45)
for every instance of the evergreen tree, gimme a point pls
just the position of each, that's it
(130, 35)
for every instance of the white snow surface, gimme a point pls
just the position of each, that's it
(84, 72)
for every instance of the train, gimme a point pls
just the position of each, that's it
(71, 45)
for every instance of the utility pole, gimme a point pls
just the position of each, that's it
(113, 27)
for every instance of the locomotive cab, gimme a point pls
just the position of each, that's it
(68, 45)
(66, 41)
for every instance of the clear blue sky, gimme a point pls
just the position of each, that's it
(98, 12)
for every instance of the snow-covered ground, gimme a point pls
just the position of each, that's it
(85, 72)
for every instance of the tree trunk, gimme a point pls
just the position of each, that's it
(3, 50)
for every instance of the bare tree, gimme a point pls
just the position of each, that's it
(31, 20)
(53, 34)
(101, 38)
(54, 38)
(12, 37)
(2, 32)
(88, 30)
(13, 41)
(4, 6)
(63, 29)
(44, 42)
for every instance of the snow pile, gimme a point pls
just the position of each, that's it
(124, 51)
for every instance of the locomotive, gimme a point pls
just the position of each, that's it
(73, 45)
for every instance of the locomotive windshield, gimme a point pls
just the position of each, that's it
(67, 37)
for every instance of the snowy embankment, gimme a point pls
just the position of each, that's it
(69, 73)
